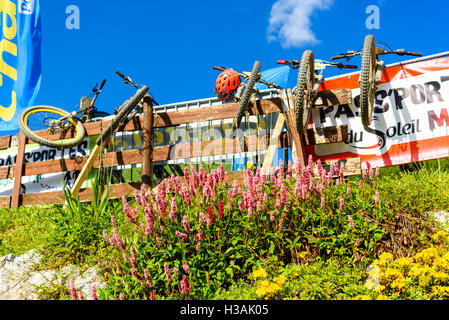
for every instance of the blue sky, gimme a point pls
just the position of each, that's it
(172, 45)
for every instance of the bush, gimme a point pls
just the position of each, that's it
(75, 236)
(196, 235)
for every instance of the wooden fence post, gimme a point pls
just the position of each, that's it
(18, 171)
(147, 143)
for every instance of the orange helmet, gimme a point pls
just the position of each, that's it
(227, 83)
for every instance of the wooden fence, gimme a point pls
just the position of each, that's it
(148, 155)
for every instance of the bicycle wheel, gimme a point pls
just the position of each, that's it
(367, 80)
(34, 122)
(123, 112)
(243, 105)
(304, 88)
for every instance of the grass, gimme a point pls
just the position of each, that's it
(67, 235)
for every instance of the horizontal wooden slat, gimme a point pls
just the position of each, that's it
(5, 142)
(174, 118)
(5, 202)
(164, 153)
(4, 172)
(334, 97)
(327, 135)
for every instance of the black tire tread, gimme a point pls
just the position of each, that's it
(243, 104)
(368, 57)
(306, 74)
(124, 110)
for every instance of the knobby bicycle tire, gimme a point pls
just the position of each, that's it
(367, 80)
(123, 112)
(304, 87)
(243, 104)
(40, 136)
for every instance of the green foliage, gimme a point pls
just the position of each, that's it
(24, 228)
(75, 236)
(317, 281)
(221, 233)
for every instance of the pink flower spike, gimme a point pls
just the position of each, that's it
(93, 293)
(351, 222)
(186, 268)
(185, 288)
(121, 296)
(342, 202)
(73, 290)
(186, 224)
(147, 277)
(167, 272)
(377, 197)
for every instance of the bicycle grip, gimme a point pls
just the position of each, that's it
(218, 68)
(349, 66)
(416, 54)
(283, 62)
(120, 74)
(102, 84)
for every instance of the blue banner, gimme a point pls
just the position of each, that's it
(20, 58)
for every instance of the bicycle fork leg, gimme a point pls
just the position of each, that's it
(86, 169)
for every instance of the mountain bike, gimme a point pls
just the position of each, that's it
(310, 77)
(371, 72)
(56, 128)
(42, 124)
(246, 91)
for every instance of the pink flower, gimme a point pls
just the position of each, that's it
(377, 197)
(198, 246)
(202, 218)
(118, 240)
(323, 201)
(186, 224)
(221, 173)
(152, 296)
(73, 290)
(181, 235)
(342, 202)
(220, 209)
(185, 288)
(351, 222)
(175, 271)
(272, 216)
(186, 268)
(81, 296)
(377, 171)
(173, 208)
(121, 296)
(200, 235)
(147, 277)
(211, 214)
(93, 293)
(167, 272)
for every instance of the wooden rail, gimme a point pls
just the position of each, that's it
(148, 154)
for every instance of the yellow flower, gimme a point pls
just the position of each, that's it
(302, 254)
(381, 297)
(440, 236)
(404, 261)
(280, 280)
(267, 289)
(385, 257)
(259, 273)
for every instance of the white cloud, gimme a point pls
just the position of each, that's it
(290, 21)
